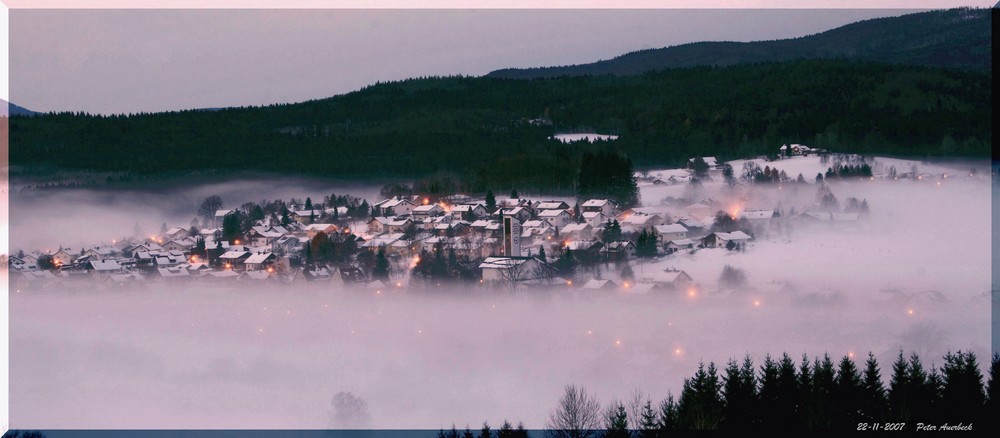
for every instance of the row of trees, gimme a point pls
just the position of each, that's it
(418, 127)
(784, 395)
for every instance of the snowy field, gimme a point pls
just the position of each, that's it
(915, 276)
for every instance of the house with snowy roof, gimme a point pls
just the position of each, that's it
(394, 206)
(604, 206)
(721, 240)
(670, 232)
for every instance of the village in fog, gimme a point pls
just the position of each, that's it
(718, 260)
(504, 241)
(499, 223)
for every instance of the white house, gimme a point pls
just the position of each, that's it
(603, 206)
(577, 231)
(595, 218)
(512, 271)
(551, 205)
(424, 211)
(260, 261)
(559, 218)
(469, 211)
(394, 207)
(720, 240)
(670, 232)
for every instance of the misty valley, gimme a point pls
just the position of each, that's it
(353, 306)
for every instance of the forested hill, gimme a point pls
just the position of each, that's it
(481, 130)
(956, 38)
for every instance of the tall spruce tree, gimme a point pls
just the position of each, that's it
(847, 394)
(874, 402)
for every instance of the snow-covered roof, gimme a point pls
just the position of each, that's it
(735, 235)
(757, 214)
(462, 208)
(222, 213)
(592, 214)
(595, 203)
(429, 208)
(552, 213)
(671, 276)
(233, 255)
(110, 265)
(320, 227)
(536, 223)
(395, 201)
(552, 205)
(575, 228)
(640, 219)
(260, 257)
(173, 272)
(223, 274)
(670, 229)
(503, 262)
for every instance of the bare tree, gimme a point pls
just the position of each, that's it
(634, 404)
(577, 416)
(514, 273)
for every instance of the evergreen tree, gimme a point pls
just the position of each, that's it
(612, 232)
(309, 204)
(669, 419)
(700, 405)
(647, 424)
(199, 248)
(788, 392)
(485, 432)
(541, 254)
(616, 421)
(491, 202)
(769, 409)
(740, 395)
(231, 225)
(514, 194)
(847, 394)
(285, 220)
(577, 215)
(900, 399)
(700, 167)
(381, 271)
(963, 396)
(566, 263)
(805, 385)
(874, 403)
(506, 430)
(820, 403)
(992, 385)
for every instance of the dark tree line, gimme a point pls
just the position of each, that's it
(418, 127)
(607, 174)
(784, 394)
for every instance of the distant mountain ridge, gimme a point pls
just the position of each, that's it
(7, 108)
(954, 38)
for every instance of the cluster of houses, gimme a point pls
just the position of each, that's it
(504, 236)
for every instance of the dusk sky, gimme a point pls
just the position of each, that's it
(122, 61)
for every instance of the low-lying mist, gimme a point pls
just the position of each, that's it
(74, 217)
(276, 358)
(913, 276)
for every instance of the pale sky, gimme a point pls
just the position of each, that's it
(122, 61)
